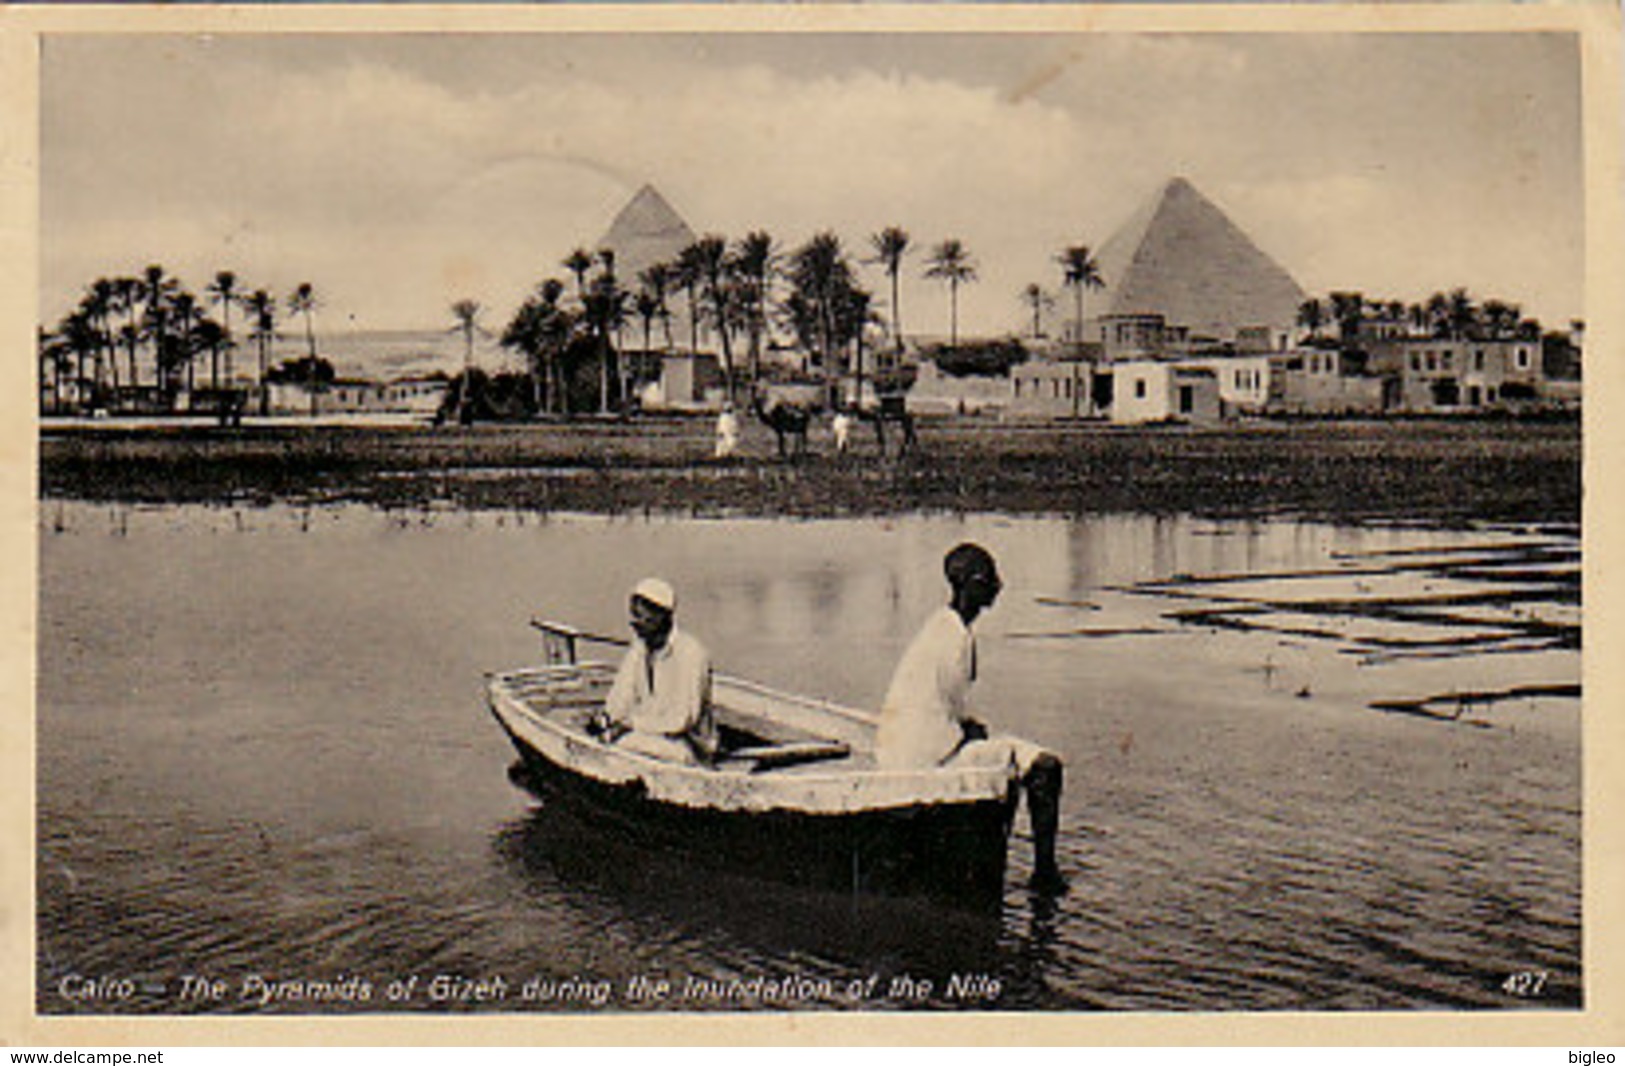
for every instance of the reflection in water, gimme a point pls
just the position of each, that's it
(827, 935)
(261, 748)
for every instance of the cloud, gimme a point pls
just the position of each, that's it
(397, 177)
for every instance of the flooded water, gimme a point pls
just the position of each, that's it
(1309, 767)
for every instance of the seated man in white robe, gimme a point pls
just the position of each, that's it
(660, 702)
(925, 719)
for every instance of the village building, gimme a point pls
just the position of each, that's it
(1439, 376)
(417, 395)
(1162, 391)
(1052, 389)
(683, 381)
(1322, 381)
(1185, 290)
(1243, 380)
(935, 392)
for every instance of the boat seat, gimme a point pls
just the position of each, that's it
(778, 756)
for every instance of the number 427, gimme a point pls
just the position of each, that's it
(1526, 984)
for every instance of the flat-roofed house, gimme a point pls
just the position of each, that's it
(1323, 381)
(1437, 375)
(1153, 391)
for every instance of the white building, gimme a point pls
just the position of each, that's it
(1148, 391)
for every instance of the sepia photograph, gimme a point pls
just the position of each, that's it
(1063, 520)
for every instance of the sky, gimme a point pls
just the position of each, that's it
(399, 173)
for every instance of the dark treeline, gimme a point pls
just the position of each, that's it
(135, 342)
(1351, 317)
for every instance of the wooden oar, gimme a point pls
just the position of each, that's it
(559, 640)
(563, 630)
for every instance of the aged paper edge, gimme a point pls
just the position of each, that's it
(1599, 1023)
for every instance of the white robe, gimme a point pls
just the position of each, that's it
(664, 698)
(928, 696)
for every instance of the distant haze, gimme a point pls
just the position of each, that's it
(400, 173)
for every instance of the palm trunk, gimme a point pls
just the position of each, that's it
(693, 324)
(1077, 318)
(603, 372)
(727, 347)
(896, 314)
(265, 393)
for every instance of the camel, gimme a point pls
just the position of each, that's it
(892, 408)
(787, 420)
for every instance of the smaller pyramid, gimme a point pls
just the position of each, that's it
(1181, 257)
(647, 230)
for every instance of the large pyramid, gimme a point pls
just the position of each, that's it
(1181, 257)
(647, 231)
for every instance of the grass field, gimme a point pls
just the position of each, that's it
(1434, 470)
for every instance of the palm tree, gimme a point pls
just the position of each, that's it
(554, 332)
(890, 245)
(99, 304)
(754, 259)
(1079, 270)
(606, 314)
(185, 316)
(223, 291)
(56, 360)
(261, 309)
(1500, 318)
(466, 312)
(647, 307)
(578, 263)
(853, 317)
(156, 289)
(657, 282)
(126, 298)
(818, 273)
(1038, 301)
(1438, 309)
(710, 257)
(302, 301)
(1311, 316)
(1463, 315)
(206, 335)
(1348, 311)
(950, 262)
(74, 342)
(689, 273)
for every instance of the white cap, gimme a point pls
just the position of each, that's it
(656, 592)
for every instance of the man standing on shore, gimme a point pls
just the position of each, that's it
(727, 432)
(660, 702)
(925, 720)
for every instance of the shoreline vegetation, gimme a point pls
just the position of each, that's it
(1440, 472)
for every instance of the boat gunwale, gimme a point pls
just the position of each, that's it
(931, 786)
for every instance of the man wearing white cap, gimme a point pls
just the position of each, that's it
(660, 703)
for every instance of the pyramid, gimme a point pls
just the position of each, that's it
(647, 231)
(1181, 257)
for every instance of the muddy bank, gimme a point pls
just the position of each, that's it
(1439, 471)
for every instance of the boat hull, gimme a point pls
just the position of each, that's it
(948, 852)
